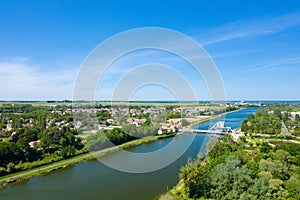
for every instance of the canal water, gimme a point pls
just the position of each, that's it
(94, 180)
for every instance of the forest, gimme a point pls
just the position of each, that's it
(237, 170)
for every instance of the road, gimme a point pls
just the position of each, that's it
(284, 129)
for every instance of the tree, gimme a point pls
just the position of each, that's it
(285, 116)
(45, 141)
(297, 118)
(277, 113)
(250, 117)
(9, 152)
(276, 168)
(184, 123)
(193, 176)
(67, 151)
(96, 141)
(293, 187)
(147, 122)
(265, 147)
(283, 156)
(276, 190)
(229, 180)
(10, 167)
(258, 189)
(16, 122)
(2, 126)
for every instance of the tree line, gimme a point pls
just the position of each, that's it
(262, 122)
(234, 170)
(108, 138)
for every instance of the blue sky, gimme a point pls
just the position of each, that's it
(254, 44)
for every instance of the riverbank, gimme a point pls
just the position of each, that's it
(24, 175)
(204, 179)
(179, 187)
(212, 117)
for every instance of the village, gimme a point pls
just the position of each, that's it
(86, 117)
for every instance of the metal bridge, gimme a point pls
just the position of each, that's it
(217, 128)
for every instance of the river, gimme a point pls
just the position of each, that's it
(94, 180)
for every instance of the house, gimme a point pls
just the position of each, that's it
(34, 144)
(77, 124)
(136, 121)
(2, 133)
(293, 114)
(13, 137)
(271, 112)
(110, 121)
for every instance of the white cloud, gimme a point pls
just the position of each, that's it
(24, 81)
(14, 59)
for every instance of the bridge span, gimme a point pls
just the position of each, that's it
(218, 128)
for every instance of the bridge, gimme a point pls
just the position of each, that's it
(218, 128)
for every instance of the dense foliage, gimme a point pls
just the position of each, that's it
(234, 170)
(51, 141)
(263, 122)
(141, 131)
(108, 138)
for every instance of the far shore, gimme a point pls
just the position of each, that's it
(212, 117)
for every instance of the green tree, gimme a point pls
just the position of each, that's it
(184, 123)
(9, 152)
(67, 151)
(193, 176)
(277, 113)
(285, 116)
(293, 187)
(250, 117)
(265, 147)
(229, 180)
(147, 122)
(297, 118)
(16, 122)
(257, 190)
(276, 168)
(276, 190)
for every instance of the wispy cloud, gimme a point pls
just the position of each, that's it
(14, 59)
(253, 28)
(232, 53)
(21, 80)
(269, 65)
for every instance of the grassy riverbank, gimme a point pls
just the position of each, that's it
(20, 176)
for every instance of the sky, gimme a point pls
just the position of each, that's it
(254, 44)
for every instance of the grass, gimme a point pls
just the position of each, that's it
(11, 178)
(19, 176)
(37, 103)
(85, 134)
